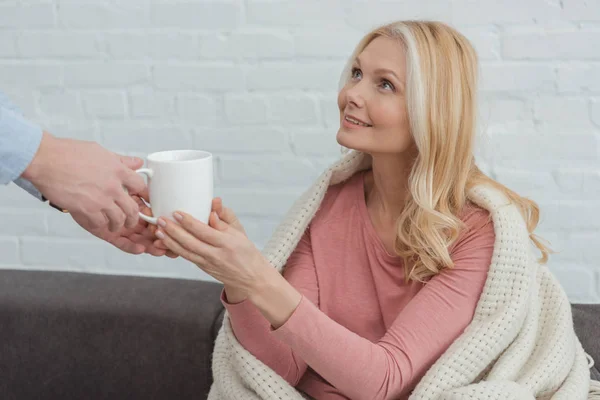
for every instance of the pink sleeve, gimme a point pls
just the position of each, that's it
(419, 335)
(253, 330)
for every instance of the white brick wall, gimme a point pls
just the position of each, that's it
(255, 82)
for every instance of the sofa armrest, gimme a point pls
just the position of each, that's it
(586, 320)
(74, 336)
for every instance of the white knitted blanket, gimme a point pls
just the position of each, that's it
(520, 344)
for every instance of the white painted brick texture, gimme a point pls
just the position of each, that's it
(255, 82)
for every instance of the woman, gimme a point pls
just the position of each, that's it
(389, 271)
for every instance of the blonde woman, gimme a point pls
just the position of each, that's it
(391, 266)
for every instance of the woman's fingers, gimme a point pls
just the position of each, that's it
(170, 254)
(177, 249)
(217, 223)
(199, 230)
(159, 244)
(217, 205)
(227, 215)
(186, 238)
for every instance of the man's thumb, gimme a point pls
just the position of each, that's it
(131, 162)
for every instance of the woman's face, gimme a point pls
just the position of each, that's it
(373, 116)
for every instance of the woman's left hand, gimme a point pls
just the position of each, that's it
(223, 252)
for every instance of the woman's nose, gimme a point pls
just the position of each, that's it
(355, 96)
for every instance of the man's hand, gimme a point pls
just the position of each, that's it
(136, 240)
(89, 181)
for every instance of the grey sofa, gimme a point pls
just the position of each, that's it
(84, 336)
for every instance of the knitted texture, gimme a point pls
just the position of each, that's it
(520, 344)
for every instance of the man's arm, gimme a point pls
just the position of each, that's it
(19, 142)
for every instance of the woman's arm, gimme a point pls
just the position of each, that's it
(422, 331)
(251, 328)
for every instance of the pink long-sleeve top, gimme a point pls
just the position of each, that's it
(360, 330)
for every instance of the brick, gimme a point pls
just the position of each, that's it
(320, 142)
(9, 252)
(570, 215)
(147, 103)
(20, 222)
(266, 171)
(363, 16)
(325, 43)
(591, 182)
(551, 46)
(40, 15)
(550, 148)
(485, 41)
(581, 183)
(557, 242)
(247, 45)
(581, 10)
(287, 13)
(266, 202)
(23, 98)
(158, 46)
(517, 78)
(105, 74)
(15, 197)
(293, 109)
(199, 110)
(63, 253)
(105, 104)
(526, 182)
(569, 180)
(491, 129)
(143, 136)
(63, 226)
(206, 15)
(579, 78)
(8, 47)
(54, 104)
(595, 112)
(585, 245)
(200, 77)
(296, 76)
(578, 282)
(330, 111)
(259, 229)
(30, 75)
(72, 127)
(245, 109)
(253, 139)
(103, 15)
(506, 12)
(58, 45)
(564, 115)
(498, 111)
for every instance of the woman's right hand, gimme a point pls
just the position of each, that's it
(224, 213)
(227, 215)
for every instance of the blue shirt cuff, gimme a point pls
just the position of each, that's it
(23, 139)
(28, 186)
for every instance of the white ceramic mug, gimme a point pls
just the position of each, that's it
(179, 180)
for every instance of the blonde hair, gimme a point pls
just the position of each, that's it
(441, 88)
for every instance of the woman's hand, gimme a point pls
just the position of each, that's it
(227, 215)
(220, 249)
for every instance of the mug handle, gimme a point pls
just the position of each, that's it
(148, 172)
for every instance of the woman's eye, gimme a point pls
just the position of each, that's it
(387, 85)
(356, 73)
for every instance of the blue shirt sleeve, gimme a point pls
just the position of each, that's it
(19, 141)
